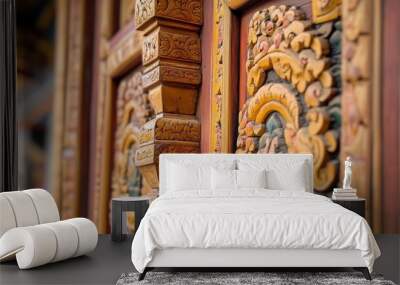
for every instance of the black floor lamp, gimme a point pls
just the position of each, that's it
(8, 124)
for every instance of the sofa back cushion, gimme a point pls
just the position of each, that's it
(26, 208)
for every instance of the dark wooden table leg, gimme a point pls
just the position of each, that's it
(116, 224)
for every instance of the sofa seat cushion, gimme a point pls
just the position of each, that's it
(41, 244)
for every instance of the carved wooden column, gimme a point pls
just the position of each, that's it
(69, 169)
(171, 58)
(361, 99)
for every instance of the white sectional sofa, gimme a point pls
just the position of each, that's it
(31, 231)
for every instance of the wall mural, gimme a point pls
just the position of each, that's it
(293, 89)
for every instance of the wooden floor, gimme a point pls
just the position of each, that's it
(110, 260)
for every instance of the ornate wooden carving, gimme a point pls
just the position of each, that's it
(132, 112)
(171, 74)
(293, 75)
(116, 59)
(358, 98)
(168, 73)
(167, 43)
(170, 127)
(221, 99)
(168, 12)
(325, 10)
(148, 154)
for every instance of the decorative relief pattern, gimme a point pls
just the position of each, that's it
(172, 74)
(150, 47)
(180, 75)
(293, 78)
(170, 128)
(144, 10)
(184, 46)
(149, 154)
(187, 11)
(325, 10)
(151, 77)
(132, 112)
(218, 77)
(170, 44)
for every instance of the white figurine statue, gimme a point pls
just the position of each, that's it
(347, 173)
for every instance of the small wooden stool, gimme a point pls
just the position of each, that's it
(119, 206)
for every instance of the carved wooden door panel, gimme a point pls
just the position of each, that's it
(122, 108)
(290, 85)
(309, 82)
(131, 112)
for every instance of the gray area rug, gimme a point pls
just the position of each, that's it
(230, 278)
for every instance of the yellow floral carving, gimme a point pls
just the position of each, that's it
(282, 40)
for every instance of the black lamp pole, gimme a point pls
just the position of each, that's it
(8, 123)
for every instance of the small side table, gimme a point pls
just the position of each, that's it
(356, 205)
(119, 206)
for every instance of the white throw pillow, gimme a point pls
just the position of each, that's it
(251, 178)
(280, 174)
(182, 177)
(291, 179)
(235, 179)
(223, 179)
(185, 175)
